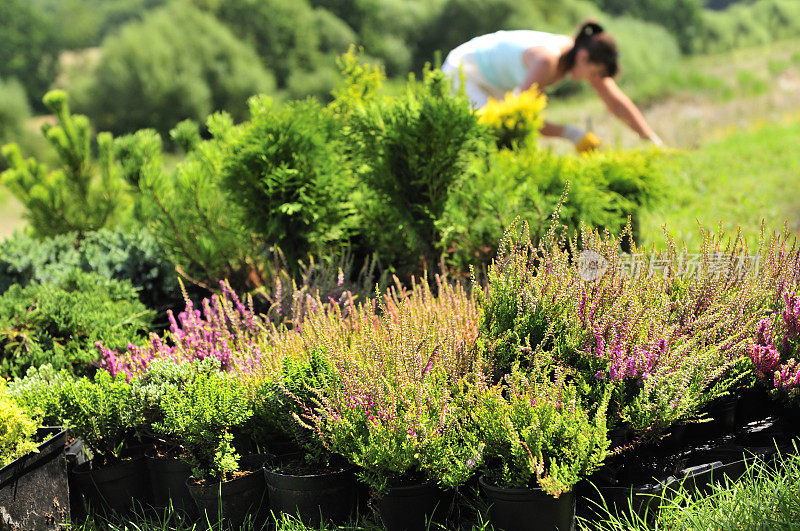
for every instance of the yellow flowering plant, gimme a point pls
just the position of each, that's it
(516, 118)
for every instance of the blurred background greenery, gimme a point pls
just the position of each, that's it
(697, 67)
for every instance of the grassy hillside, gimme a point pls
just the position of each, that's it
(746, 177)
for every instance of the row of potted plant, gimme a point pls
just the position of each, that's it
(521, 385)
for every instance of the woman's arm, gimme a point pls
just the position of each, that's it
(622, 107)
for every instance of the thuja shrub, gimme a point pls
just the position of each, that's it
(17, 429)
(84, 192)
(411, 152)
(286, 168)
(59, 323)
(201, 229)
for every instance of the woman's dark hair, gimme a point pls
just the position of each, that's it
(601, 46)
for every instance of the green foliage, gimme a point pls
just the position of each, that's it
(286, 169)
(177, 63)
(200, 416)
(283, 34)
(537, 433)
(301, 383)
(60, 323)
(411, 152)
(162, 378)
(99, 412)
(683, 18)
(26, 50)
(17, 429)
(748, 24)
(604, 189)
(201, 229)
(132, 255)
(88, 20)
(14, 110)
(39, 392)
(86, 192)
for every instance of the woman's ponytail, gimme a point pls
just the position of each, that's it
(601, 47)
(588, 29)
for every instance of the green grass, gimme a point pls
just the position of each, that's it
(765, 498)
(739, 180)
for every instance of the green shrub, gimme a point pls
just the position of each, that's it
(201, 417)
(682, 18)
(201, 229)
(285, 167)
(537, 433)
(412, 152)
(176, 63)
(86, 192)
(17, 429)
(133, 255)
(283, 34)
(99, 412)
(60, 323)
(605, 188)
(39, 392)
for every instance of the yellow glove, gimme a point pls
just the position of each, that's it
(589, 142)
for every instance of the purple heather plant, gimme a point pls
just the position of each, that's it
(776, 348)
(399, 363)
(226, 329)
(670, 341)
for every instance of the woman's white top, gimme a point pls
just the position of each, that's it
(499, 54)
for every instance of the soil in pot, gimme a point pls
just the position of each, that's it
(168, 476)
(528, 509)
(119, 487)
(414, 507)
(233, 502)
(314, 495)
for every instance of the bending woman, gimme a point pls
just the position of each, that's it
(512, 61)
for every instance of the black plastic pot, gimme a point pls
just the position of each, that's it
(314, 498)
(413, 507)
(34, 493)
(120, 487)
(641, 499)
(233, 502)
(168, 477)
(529, 509)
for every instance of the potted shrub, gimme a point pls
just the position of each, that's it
(539, 441)
(200, 416)
(167, 462)
(404, 435)
(310, 483)
(100, 413)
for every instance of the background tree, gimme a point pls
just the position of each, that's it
(177, 63)
(25, 48)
